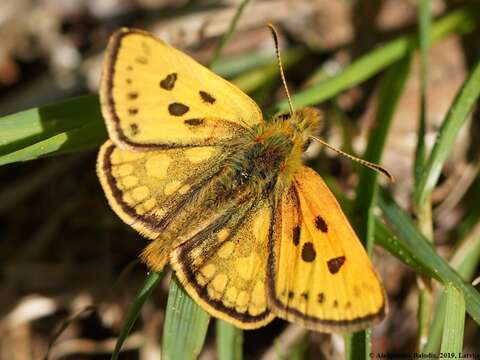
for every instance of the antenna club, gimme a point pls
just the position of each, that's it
(375, 167)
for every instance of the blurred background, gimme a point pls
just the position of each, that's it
(67, 263)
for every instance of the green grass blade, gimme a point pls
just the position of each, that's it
(424, 219)
(185, 326)
(256, 78)
(456, 117)
(452, 339)
(149, 285)
(465, 262)
(70, 126)
(390, 242)
(460, 21)
(25, 127)
(424, 21)
(390, 91)
(416, 242)
(436, 326)
(358, 345)
(231, 29)
(471, 218)
(299, 350)
(424, 222)
(467, 258)
(229, 341)
(235, 65)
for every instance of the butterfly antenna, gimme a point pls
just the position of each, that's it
(279, 60)
(366, 163)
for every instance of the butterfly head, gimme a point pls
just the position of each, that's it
(305, 124)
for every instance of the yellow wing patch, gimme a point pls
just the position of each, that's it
(224, 267)
(153, 96)
(319, 274)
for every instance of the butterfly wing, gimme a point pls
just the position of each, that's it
(319, 273)
(154, 96)
(224, 267)
(148, 190)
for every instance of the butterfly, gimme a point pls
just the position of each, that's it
(251, 232)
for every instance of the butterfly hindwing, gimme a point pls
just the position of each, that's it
(155, 96)
(319, 274)
(224, 267)
(156, 192)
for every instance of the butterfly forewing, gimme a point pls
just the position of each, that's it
(224, 267)
(153, 95)
(319, 274)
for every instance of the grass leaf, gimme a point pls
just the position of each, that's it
(185, 325)
(464, 261)
(391, 89)
(229, 341)
(424, 21)
(460, 21)
(456, 117)
(424, 219)
(66, 127)
(416, 242)
(452, 340)
(390, 242)
(149, 285)
(226, 37)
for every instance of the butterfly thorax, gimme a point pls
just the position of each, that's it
(270, 155)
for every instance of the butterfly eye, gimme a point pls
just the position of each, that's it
(306, 144)
(285, 116)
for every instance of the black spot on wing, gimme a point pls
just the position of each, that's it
(133, 129)
(133, 111)
(206, 97)
(335, 264)
(177, 109)
(320, 224)
(308, 252)
(321, 297)
(169, 82)
(132, 95)
(194, 122)
(296, 235)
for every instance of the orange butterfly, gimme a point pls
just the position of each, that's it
(250, 231)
